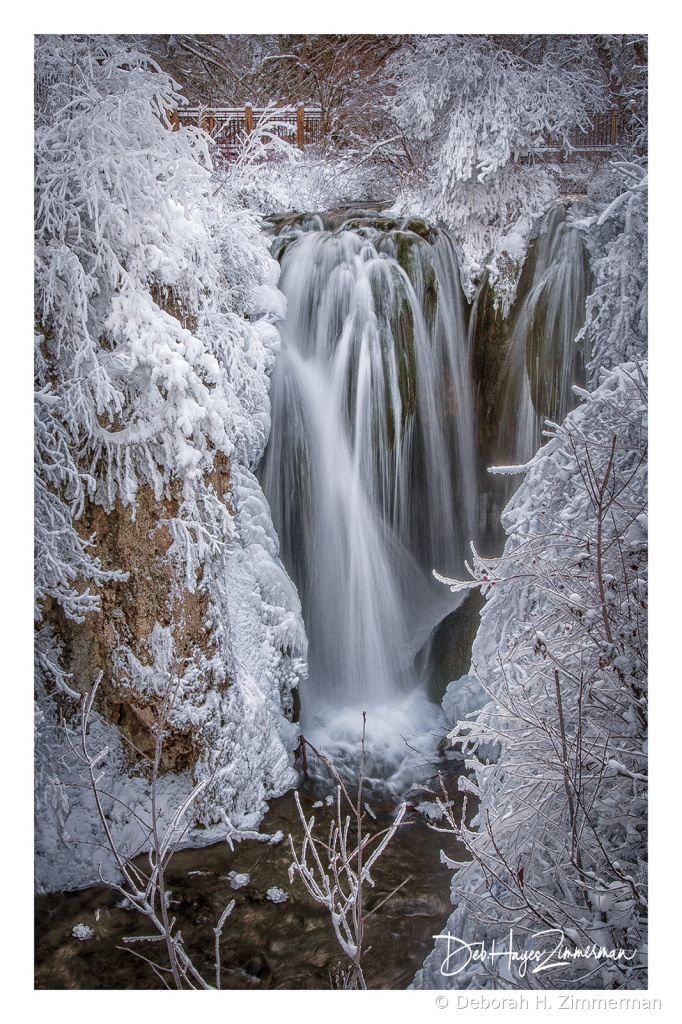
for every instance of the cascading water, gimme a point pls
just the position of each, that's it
(544, 359)
(370, 469)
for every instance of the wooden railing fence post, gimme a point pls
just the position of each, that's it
(614, 127)
(300, 126)
(248, 118)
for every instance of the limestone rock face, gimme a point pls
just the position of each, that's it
(137, 540)
(228, 636)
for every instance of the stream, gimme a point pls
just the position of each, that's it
(265, 945)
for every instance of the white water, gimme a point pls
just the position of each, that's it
(400, 742)
(371, 470)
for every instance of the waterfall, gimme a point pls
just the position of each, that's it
(544, 359)
(372, 470)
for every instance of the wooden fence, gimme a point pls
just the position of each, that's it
(605, 133)
(228, 125)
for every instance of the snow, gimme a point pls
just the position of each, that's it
(237, 880)
(462, 697)
(527, 617)
(157, 304)
(276, 895)
(473, 110)
(430, 810)
(148, 366)
(617, 310)
(547, 612)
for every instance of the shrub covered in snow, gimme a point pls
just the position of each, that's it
(473, 109)
(475, 113)
(617, 310)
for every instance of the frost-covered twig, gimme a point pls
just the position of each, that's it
(341, 869)
(558, 752)
(147, 893)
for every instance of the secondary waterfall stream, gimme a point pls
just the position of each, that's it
(372, 471)
(544, 360)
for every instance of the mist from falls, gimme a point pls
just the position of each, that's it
(371, 470)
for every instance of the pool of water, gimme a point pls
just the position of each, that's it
(265, 945)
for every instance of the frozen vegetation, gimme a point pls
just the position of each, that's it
(155, 305)
(157, 563)
(558, 753)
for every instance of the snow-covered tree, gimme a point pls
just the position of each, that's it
(155, 310)
(617, 310)
(558, 753)
(560, 831)
(137, 343)
(475, 111)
